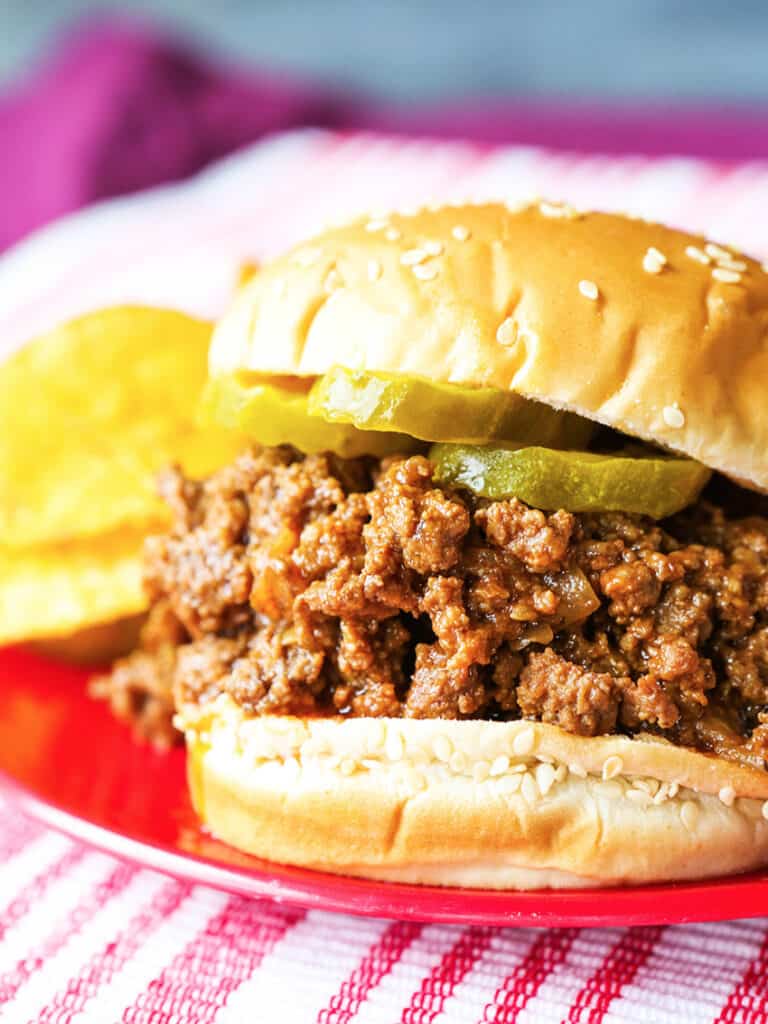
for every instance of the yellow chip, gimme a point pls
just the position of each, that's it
(94, 645)
(56, 589)
(245, 273)
(90, 412)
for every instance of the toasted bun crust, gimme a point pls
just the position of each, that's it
(472, 803)
(649, 330)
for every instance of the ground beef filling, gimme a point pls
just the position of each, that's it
(313, 585)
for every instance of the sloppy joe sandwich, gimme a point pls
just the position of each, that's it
(486, 603)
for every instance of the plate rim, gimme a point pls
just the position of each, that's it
(329, 892)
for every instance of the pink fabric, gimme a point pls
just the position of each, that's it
(120, 944)
(117, 108)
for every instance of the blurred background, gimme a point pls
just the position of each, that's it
(101, 99)
(406, 50)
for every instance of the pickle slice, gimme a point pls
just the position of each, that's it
(441, 412)
(656, 486)
(275, 412)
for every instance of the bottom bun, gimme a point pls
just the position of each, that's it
(477, 804)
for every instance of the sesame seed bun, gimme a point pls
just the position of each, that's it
(471, 803)
(657, 333)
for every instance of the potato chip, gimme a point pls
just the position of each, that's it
(245, 273)
(94, 645)
(56, 589)
(90, 412)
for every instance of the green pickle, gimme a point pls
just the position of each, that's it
(276, 412)
(577, 481)
(440, 412)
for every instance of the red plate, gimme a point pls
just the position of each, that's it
(72, 765)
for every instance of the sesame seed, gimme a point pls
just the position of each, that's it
(589, 290)
(654, 261)
(764, 267)
(376, 225)
(738, 265)
(649, 786)
(425, 272)
(673, 416)
(395, 746)
(529, 789)
(578, 770)
(458, 762)
(697, 254)
(545, 777)
(392, 235)
(612, 767)
(524, 742)
(460, 233)
(518, 205)
(509, 783)
(348, 766)
(717, 252)
(506, 333)
(727, 794)
(434, 248)
(689, 814)
(374, 270)
(413, 256)
(674, 789)
(443, 748)
(639, 797)
(564, 210)
(280, 726)
(726, 276)
(480, 771)
(500, 765)
(377, 734)
(312, 746)
(765, 810)
(550, 209)
(332, 281)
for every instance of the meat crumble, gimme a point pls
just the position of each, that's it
(315, 585)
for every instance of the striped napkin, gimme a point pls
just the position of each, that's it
(84, 937)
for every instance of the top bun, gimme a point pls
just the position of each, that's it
(654, 332)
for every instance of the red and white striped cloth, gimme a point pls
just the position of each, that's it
(84, 937)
